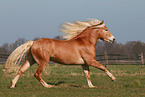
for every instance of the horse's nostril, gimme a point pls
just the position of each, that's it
(114, 39)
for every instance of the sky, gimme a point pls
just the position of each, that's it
(28, 19)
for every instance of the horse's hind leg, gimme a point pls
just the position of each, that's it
(21, 71)
(38, 74)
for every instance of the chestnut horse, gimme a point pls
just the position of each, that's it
(78, 49)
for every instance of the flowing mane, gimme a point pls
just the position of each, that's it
(70, 30)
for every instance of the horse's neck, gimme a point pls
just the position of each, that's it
(88, 35)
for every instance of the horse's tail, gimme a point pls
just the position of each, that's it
(15, 57)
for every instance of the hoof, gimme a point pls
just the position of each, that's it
(114, 80)
(93, 87)
(50, 86)
(12, 87)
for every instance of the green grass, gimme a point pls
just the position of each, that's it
(69, 81)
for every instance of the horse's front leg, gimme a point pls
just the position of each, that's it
(87, 74)
(96, 64)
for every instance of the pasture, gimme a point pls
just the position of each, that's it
(70, 81)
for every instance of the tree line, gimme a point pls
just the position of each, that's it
(130, 48)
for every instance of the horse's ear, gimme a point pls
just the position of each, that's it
(102, 22)
(98, 26)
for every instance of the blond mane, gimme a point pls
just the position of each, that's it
(70, 30)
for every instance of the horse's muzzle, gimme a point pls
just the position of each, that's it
(111, 39)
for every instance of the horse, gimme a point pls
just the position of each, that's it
(78, 48)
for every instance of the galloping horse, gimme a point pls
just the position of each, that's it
(79, 49)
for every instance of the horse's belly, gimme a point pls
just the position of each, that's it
(67, 60)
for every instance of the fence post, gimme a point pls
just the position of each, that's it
(106, 59)
(142, 60)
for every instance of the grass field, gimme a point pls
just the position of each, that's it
(69, 81)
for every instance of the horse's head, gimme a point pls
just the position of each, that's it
(93, 26)
(103, 32)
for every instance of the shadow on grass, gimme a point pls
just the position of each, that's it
(56, 84)
(77, 86)
(61, 84)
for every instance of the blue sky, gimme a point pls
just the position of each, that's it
(42, 18)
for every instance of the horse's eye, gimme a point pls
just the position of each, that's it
(106, 29)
